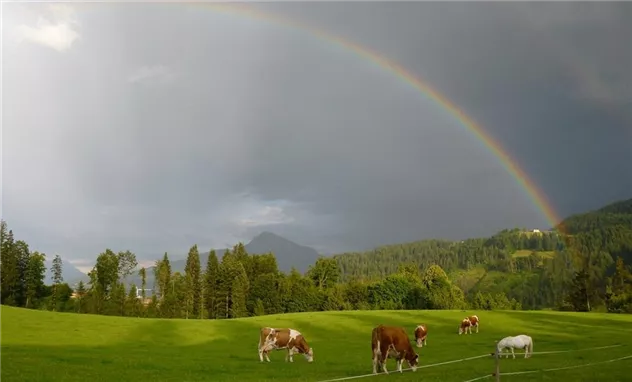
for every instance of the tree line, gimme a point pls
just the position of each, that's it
(582, 265)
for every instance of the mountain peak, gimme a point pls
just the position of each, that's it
(287, 252)
(267, 235)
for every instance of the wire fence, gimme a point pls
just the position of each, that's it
(493, 374)
(497, 374)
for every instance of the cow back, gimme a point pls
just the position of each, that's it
(421, 331)
(393, 336)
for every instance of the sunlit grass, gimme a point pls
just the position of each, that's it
(50, 346)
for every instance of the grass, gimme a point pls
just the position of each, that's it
(39, 345)
(527, 252)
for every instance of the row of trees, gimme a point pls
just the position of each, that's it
(239, 285)
(23, 275)
(514, 269)
(243, 284)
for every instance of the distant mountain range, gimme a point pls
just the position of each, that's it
(287, 253)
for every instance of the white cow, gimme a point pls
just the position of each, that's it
(521, 341)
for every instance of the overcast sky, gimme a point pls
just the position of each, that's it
(152, 127)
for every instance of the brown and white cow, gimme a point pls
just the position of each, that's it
(392, 342)
(473, 322)
(284, 338)
(421, 332)
(465, 325)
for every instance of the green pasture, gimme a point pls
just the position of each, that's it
(47, 346)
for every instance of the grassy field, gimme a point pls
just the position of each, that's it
(45, 346)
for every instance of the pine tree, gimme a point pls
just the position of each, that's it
(9, 266)
(210, 287)
(164, 276)
(193, 284)
(239, 292)
(81, 292)
(35, 275)
(23, 254)
(224, 286)
(57, 279)
(143, 281)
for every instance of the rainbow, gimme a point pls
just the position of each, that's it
(538, 198)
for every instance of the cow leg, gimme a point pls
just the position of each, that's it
(384, 357)
(265, 353)
(261, 354)
(384, 365)
(374, 362)
(512, 353)
(290, 354)
(476, 328)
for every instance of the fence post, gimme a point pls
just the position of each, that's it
(497, 357)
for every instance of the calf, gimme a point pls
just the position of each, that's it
(392, 342)
(465, 325)
(283, 338)
(473, 322)
(421, 332)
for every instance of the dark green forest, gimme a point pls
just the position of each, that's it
(581, 265)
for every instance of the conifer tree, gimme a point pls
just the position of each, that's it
(193, 294)
(210, 284)
(57, 279)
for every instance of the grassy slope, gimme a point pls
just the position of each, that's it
(527, 252)
(38, 345)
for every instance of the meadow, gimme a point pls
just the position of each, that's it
(46, 346)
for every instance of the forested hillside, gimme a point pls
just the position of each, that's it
(581, 265)
(538, 269)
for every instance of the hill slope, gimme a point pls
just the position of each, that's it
(530, 266)
(40, 345)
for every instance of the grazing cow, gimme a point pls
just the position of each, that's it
(284, 338)
(473, 322)
(465, 325)
(518, 342)
(421, 332)
(392, 342)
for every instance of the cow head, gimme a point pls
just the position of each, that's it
(419, 336)
(309, 355)
(464, 324)
(413, 361)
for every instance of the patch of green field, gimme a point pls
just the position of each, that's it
(527, 252)
(39, 345)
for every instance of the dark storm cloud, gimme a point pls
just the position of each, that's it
(219, 126)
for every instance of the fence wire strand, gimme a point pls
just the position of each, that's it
(489, 355)
(557, 368)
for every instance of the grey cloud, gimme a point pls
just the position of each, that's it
(263, 123)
